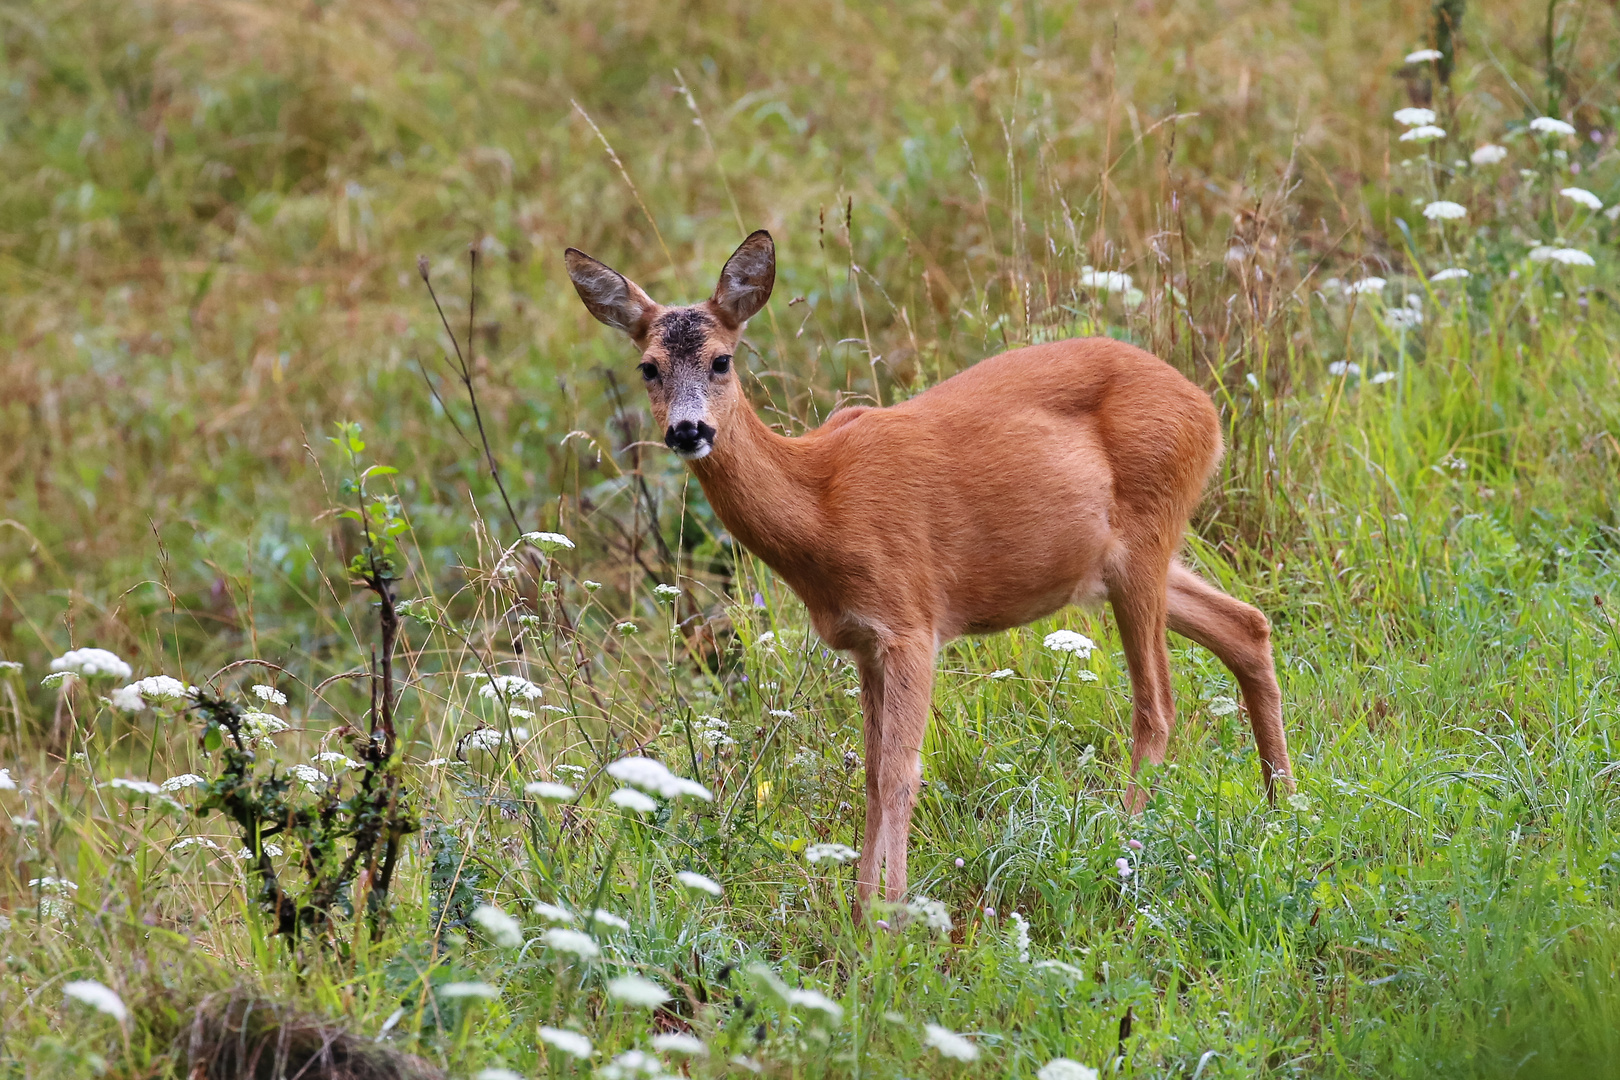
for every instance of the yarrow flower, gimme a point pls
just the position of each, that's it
(468, 990)
(653, 776)
(549, 541)
(680, 1042)
(1222, 706)
(1381, 377)
(138, 787)
(1566, 255)
(817, 1001)
(1419, 57)
(1001, 673)
(309, 775)
(604, 917)
(332, 757)
(552, 913)
(712, 731)
(1067, 641)
(100, 998)
(259, 726)
(574, 942)
(1366, 285)
(631, 1065)
(1442, 210)
(1423, 134)
(637, 991)
(1452, 273)
(1582, 196)
(1020, 935)
(135, 696)
(836, 853)
(698, 882)
(1413, 117)
(1067, 1068)
(1489, 154)
(507, 687)
(504, 930)
(92, 663)
(1106, 280)
(184, 780)
(6, 782)
(667, 593)
(270, 694)
(632, 800)
(949, 1043)
(1551, 125)
(932, 913)
(545, 789)
(126, 699)
(571, 1043)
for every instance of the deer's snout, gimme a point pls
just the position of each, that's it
(692, 439)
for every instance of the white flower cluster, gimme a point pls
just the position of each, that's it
(504, 930)
(92, 663)
(652, 776)
(833, 853)
(549, 790)
(1067, 641)
(932, 913)
(1568, 256)
(506, 687)
(154, 688)
(949, 1043)
(269, 694)
(549, 541)
(1106, 280)
(698, 882)
(571, 1043)
(713, 732)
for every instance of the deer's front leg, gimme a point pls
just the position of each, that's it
(908, 685)
(869, 871)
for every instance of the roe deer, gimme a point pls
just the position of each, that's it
(1055, 474)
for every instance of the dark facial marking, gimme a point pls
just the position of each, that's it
(683, 333)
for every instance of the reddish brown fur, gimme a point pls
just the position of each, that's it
(1045, 476)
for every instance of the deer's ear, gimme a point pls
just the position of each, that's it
(746, 282)
(613, 298)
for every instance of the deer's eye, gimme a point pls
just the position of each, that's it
(722, 364)
(649, 371)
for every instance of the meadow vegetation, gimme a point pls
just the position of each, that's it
(237, 447)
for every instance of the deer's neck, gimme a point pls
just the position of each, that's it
(764, 489)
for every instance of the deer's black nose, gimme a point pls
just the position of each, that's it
(689, 437)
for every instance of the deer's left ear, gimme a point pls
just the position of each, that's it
(747, 280)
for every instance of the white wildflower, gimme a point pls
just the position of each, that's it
(127, 699)
(627, 627)
(1489, 154)
(53, 884)
(504, 930)
(163, 688)
(836, 853)
(1300, 801)
(98, 997)
(6, 782)
(137, 787)
(637, 991)
(1412, 117)
(680, 1042)
(1366, 285)
(468, 990)
(816, 1000)
(546, 789)
(604, 917)
(552, 913)
(1001, 673)
(497, 1074)
(932, 913)
(698, 882)
(184, 780)
(272, 850)
(633, 1064)
(1020, 935)
(1067, 970)
(1381, 378)
(1066, 1068)
(194, 841)
(262, 725)
(591, 586)
(632, 800)
(507, 687)
(1222, 706)
(1550, 125)
(667, 594)
(782, 714)
(1451, 273)
(1442, 210)
(1582, 196)
(7, 666)
(949, 1043)
(1106, 280)
(434, 763)
(1340, 368)
(653, 776)
(309, 774)
(269, 694)
(1123, 865)
(549, 541)
(92, 663)
(1403, 318)
(1423, 134)
(1566, 255)
(571, 1043)
(574, 942)
(488, 739)
(332, 757)
(1419, 57)
(712, 731)
(1067, 641)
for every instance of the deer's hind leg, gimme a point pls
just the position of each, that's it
(1241, 637)
(1136, 592)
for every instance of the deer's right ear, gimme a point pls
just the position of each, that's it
(613, 298)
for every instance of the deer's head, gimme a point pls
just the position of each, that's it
(686, 352)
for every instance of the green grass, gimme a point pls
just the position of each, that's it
(208, 238)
